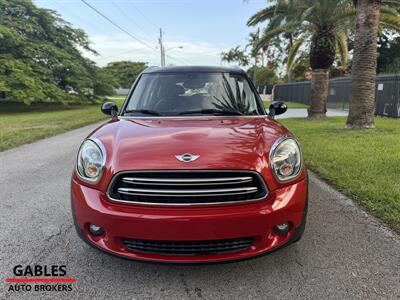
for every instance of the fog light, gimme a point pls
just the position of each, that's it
(282, 228)
(95, 230)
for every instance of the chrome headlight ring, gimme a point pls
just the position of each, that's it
(91, 160)
(286, 159)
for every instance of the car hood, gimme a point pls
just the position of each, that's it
(221, 142)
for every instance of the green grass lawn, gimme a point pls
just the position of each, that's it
(20, 124)
(289, 104)
(363, 164)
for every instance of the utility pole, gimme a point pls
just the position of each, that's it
(162, 50)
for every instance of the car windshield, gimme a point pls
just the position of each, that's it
(174, 94)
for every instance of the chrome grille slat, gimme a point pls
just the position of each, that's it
(191, 181)
(183, 195)
(182, 184)
(187, 187)
(187, 193)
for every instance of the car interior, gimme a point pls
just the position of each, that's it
(175, 93)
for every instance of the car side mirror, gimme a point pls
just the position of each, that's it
(277, 108)
(110, 108)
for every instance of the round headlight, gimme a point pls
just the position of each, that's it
(285, 159)
(91, 160)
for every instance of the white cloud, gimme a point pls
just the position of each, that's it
(121, 47)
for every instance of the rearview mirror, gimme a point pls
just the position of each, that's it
(277, 108)
(110, 108)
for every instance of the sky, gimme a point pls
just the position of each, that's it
(203, 28)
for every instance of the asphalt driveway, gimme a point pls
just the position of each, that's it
(344, 254)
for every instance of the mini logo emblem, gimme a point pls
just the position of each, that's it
(187, 157)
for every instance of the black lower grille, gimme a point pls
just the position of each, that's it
(188, 247)
(188, 187)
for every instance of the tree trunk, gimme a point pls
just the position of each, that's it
(363, 71)
(262, 59)
(322, 56)
(290, 76)
(319, 93)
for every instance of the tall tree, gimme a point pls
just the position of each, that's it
(40, 58)
(319, 23)
(321, 26)
(125, 72)
(254, 51)
(363, 71)
(265, 76)
(103, 83)
(235, 55)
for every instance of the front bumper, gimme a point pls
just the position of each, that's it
(190, 223)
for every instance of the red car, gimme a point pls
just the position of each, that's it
(190, 170)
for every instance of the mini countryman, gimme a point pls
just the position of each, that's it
(191, 169)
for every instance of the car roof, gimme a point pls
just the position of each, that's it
(187, 69)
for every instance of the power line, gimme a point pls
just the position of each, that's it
(73, 15)
(128, 17)
(115, 55)
(119, 27)
(215, 51)
(130, 51)
(156, 26)
(144, 16)
(179, 60)
(127, 32)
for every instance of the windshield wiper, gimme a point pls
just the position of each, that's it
(144, 111)
(212, 111)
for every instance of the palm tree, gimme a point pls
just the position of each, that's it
(323, 26)
(319, 23)
(282, 12)
(235, 55)
(362, 95)
(254, 52)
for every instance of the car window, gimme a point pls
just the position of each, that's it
(175, 93)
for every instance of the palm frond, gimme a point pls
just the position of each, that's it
(387, 10)
(345, 12)
(275, 21)
(343, 48)
(306, 14)
(392, 3)
(389, 26)
(390, 20)
(292, 54)
(269, 34)
(262, 16)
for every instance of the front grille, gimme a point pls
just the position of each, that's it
(186, 187)
(188, 247)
